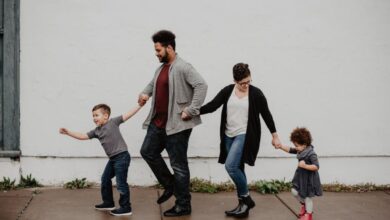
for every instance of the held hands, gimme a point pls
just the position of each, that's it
(185, 116)
(277, 147)
(276, 141)
(142, 99)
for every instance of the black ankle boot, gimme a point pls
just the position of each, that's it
(249, 201)
(231, 212)
(242, 210)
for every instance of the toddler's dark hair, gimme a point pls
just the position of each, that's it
(301, 136)
(105, 108)
(241, 71)
(165, 38)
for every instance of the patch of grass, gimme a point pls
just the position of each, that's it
(278, 186)
(227, 186)
(28, 182)
(262, 186)
(367, 187)
(7, 184)
(203, 186)
(77, 184)
(270, 187)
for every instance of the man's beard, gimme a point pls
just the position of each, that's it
(164, 59)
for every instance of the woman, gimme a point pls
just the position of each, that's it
(240, 131)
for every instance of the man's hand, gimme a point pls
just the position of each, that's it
(142, 99)
(64, 131)
(185, 116)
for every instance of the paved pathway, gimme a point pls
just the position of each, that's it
(58, 204)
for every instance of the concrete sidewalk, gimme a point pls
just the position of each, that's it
(58, 203)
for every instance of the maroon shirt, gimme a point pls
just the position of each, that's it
(162, 98)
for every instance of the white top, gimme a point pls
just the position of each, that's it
(237, 115)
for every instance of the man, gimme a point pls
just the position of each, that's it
(178, 92)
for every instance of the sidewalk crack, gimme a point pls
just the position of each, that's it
(26, 206)
(285, 204)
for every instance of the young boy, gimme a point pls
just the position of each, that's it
(109, 135)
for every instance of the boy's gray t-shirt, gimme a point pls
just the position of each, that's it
(110, 136)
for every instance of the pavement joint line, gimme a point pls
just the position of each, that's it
(26, 206)
(285, 204)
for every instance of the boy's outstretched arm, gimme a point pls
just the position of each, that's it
(130, 113)
(77, 135)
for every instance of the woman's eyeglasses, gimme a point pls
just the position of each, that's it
(244, 83)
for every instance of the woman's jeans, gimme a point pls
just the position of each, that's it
(117, 166)
(233, 163)
(176, 145)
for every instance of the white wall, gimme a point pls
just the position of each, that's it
(321, 64)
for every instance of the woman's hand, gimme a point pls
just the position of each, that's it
(276, 141)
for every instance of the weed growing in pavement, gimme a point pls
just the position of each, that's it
(7, 184)
(270, 187)
(77, 184)
(28, 182)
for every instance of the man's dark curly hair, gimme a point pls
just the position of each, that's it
(165, 38)
(241, 71)
(301, 136)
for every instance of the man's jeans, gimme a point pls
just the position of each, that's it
(117, 166)
(176, 145)
(233, 164)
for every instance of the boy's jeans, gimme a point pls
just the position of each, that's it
(117, 166)
(156, 140)
(233, 164)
